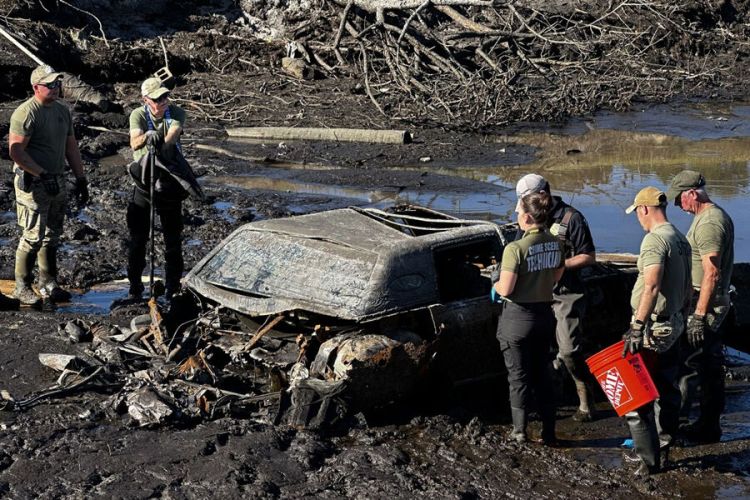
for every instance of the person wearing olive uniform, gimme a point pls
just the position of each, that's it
(40, 140)
(569, 301)
(711, 237)
(160, 124)
(660, 298)
(529, 269)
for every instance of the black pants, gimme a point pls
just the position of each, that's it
(138, 219)
(525, 333)
(704, 366)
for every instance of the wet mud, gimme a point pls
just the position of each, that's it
(447, 447)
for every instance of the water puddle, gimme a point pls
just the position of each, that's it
(96, 300)
(223, 208)
(8, 216)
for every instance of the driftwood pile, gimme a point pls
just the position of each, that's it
(477, 63)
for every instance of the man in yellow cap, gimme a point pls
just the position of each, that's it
(659, 300)
(711, 237)
(156, 124)
(41, 139)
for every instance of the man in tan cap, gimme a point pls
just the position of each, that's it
(41, 139)
(711, 237)
(156, 124)
(659, 301)
(570, 227)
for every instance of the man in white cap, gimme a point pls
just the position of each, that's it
(157, 123)
(570, 226)
(659, 301)
(41, 139)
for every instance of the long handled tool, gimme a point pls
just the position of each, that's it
(152, 212)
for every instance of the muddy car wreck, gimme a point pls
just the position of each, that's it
(372, 304)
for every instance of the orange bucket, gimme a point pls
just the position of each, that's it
(625, 381)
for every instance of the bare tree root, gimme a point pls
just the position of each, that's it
(478, 63)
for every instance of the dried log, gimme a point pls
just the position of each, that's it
(322, 134)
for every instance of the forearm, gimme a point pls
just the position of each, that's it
(73, 155)
(138, 141)
(25, 162)
(647, 303)
(580, 260)
(708, 287)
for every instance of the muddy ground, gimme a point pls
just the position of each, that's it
(447, 448)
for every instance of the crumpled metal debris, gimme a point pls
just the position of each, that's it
(147, 407)
(76, 331)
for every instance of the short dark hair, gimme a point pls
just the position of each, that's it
(538, 206)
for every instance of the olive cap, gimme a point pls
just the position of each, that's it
(687, 179)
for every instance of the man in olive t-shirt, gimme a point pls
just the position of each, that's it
(40, 140)
(711, 236)
(659, 300)
(159, 124)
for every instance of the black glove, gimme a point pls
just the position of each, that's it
(49, 183)
(696, 331)
(633, 339)
(152, 138)
(82, 191)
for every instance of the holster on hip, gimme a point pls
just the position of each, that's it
(24, 180)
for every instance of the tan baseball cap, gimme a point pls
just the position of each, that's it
(44, 74)
(153, 89)
(648, 197)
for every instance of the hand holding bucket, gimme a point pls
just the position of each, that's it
(625, 380)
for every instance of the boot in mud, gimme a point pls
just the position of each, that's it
(24, 265)
(642, 425)
(48, 276)
(26, 295)
(583, 413)
(549, 437)
(520, 420)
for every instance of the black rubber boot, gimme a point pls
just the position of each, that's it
(642, 427)
(549, 421)
(520, 420)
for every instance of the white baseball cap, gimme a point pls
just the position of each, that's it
(529, 183)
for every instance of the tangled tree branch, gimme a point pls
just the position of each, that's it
(479, 63)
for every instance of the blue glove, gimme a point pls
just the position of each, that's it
(495, 297)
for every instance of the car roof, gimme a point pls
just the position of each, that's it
(347, 263)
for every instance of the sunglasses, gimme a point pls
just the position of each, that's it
(161, 100)
(52, 85)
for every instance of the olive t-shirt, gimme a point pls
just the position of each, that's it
(712, 231)
(534, 258)
(664, 245)
(138, 121)
(48, 128)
